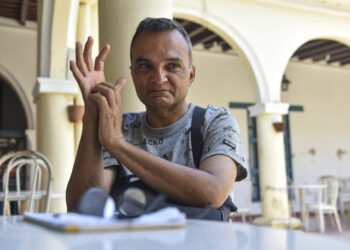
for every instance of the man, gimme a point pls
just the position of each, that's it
(154, 145)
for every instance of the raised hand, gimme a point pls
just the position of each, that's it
(87, 73)
(107, 97)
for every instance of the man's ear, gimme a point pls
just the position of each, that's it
(192, 75)
(131, 71)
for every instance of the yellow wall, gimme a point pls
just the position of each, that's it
(324, 124)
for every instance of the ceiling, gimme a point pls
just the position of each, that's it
(315, 50)
(22, 10)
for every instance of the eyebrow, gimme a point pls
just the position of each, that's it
(177, 59)
(170, 59)
(141, 59)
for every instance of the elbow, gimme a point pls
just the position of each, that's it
(216, 197)
(217, 203)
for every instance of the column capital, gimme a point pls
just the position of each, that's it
(52, 85)
(269, 108)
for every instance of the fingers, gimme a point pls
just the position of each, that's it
(111, 91)
(80, 59)
(87, 54)
(101, 102)
(100, 59)
(107, 90)
(120, 83)
(76, 73)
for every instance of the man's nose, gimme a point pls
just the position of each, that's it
(160, 75)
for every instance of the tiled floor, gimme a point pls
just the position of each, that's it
(331, 229)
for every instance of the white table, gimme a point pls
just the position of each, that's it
(302, 188)
(16, 234)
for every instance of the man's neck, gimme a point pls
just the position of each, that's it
(163, 117)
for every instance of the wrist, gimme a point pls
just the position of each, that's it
(115, 143)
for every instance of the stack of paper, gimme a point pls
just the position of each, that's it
(73, 222)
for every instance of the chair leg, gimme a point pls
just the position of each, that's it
(332, 221)
(321, 218)
(243, 218)
(231, 218)
(341, 206)
(306, 222)
(337, 221)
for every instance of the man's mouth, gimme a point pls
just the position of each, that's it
(158, 91)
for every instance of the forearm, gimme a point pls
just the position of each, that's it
(87, 170)
(184, 184)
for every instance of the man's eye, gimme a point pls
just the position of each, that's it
(173, 66)
(144, 66)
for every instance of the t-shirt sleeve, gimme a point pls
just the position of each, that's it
(221, 136)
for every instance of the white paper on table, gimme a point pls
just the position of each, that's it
(72, 222)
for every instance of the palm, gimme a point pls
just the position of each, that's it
(87, 73)
(91, 79)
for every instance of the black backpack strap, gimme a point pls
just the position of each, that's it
(196, 137)
(197, 144)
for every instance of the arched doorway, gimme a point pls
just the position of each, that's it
(317, 78)
(13, 122)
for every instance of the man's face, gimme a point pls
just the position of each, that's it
(161, 69)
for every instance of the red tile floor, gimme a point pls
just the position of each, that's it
(330, 227)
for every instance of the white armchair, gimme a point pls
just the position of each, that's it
(38, 164)
(344, 194)
(326, 202)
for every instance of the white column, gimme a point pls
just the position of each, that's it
(272, 165)
(55, 134)
(83, 31)
(118, 20)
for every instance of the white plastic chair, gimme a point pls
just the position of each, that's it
(326, 203)
(241, 196)
(344, 194)
(37, 163)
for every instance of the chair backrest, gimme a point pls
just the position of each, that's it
(37, 163)
(330, 193)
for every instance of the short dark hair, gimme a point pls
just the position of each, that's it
(161, 25)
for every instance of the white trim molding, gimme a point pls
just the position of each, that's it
(328, 7)
(57, 86)
(45, 37)
(269, 108)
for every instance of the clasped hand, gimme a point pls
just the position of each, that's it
(102, 99)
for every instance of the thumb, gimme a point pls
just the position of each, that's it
(120, 83)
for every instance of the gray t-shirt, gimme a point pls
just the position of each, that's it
(220, 135)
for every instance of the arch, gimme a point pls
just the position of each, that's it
(14, 83)
(333, 37)
(337, 38)
(234, 39)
